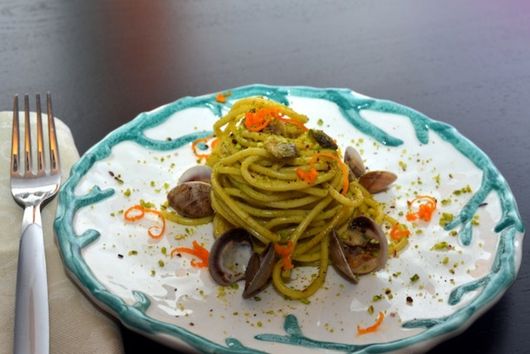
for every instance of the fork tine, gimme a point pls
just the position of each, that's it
(40, 142)
(27, 137)
(15, 153)
(54, 149)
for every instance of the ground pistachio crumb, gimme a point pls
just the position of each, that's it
(414, 278)
(441, 246)
(466, 189)
(371, 310)
(446, 201)
(446, 218)
(146, 204)
(377, 297)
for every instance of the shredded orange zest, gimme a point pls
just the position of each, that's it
(220, 97)
(286, 252)
(399, 231)
(197, 251)
(256, 122)
(136, 212)
(426, 207)
(307, 176)
(259, 120)
(342, 166)
(372, 328)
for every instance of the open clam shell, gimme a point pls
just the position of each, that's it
(364, 248)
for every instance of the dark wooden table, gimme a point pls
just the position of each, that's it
(464, 62)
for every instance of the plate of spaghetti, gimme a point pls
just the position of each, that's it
(289, 219)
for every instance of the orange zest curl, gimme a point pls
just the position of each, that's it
(209, 141)
(372, 328)
(197, 251)
(194, 147)
(399, 231)
(137, 212)
(259, 120)
(134, 213)
(286, 252)
(426, 206)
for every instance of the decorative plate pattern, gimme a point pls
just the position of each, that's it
(428, 292)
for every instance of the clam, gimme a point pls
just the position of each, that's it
(353, 160)
(364, 248)
(229, 256)
(377, 181)
(324, 140)
(191, 199)
(259, 272)
(280, 148)
(201, 173)
(232, 259)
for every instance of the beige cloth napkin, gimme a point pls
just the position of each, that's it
(76, 325)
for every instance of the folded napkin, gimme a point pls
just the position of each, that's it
(76, 325)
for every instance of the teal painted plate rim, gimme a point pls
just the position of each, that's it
(494, 284)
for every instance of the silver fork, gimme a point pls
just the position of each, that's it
(32, 189)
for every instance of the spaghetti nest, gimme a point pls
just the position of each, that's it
(285, 184)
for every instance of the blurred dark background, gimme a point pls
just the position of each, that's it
(464, 62)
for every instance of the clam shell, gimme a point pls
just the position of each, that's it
(377, 181)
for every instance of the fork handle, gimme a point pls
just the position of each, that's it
(32, 314)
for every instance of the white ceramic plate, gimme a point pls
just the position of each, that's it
(165, 298)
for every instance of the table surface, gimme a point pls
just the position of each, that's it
(464, 62)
